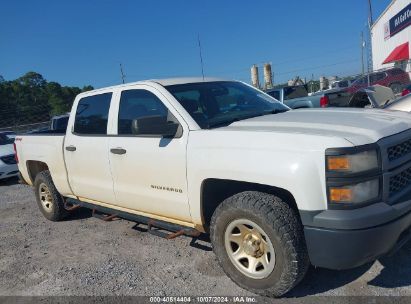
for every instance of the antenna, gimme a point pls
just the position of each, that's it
(122, 73)
(201, 56)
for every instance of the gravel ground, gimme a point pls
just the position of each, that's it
(86, 256)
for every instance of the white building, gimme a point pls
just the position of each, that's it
(391, 35)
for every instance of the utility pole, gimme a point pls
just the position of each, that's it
(370, 22)
(312, 83)
(123, 77)
(362, 53)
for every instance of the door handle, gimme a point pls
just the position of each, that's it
(71, 148)
(119, 151)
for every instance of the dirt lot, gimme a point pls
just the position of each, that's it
(86, 256)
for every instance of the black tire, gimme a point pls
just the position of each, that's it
(55, 210)
(396, 87)
(281, 225)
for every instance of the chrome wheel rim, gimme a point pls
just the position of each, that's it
(249, 248)
(45, 197)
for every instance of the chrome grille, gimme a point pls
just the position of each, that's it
(399, 150)
(9, 159)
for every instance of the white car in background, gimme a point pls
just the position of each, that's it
(8, 163)
(380, 97)
(401, 104)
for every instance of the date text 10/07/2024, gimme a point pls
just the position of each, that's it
(203, 299)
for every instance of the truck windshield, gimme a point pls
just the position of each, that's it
(220, 103)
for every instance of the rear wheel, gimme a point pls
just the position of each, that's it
(49, 200)
(259, 242)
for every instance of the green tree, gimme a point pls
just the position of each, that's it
(30, 99)
(87, 88)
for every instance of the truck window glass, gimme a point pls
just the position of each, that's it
(343, 84)
(295, 92)
(135, 104)
(92, 114)
(213, 104)
(275, 94)
(376, 77)
(361, 81)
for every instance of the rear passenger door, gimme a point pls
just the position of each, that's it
(149, 170)
(86, 149)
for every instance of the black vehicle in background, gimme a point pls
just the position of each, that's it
(59, 123)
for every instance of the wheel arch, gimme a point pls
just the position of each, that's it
(214, 191)
(34, 167)
(396, 83)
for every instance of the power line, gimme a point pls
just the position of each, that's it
(275, 64)
(317, 67)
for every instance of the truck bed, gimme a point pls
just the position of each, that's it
(47, 148)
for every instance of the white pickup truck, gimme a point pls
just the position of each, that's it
(276, 189)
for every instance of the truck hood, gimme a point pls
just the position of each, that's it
(6, 150)
(359, 126)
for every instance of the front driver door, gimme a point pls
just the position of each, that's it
(149, 171)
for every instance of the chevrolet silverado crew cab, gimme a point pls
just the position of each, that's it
(276, 189)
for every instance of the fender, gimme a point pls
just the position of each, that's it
(266, 159)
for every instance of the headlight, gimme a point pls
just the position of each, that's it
(355, 193)
(353, 176)
(353, 163)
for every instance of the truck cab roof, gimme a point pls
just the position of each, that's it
(163, 82)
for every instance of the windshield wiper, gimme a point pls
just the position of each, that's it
(225, 122)
(230, 121)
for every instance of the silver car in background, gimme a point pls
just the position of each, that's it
(8, 163)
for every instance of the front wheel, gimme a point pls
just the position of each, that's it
(259, 242)
(49, 200)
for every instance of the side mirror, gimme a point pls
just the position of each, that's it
(155, 125)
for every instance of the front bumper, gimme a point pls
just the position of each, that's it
(343, 239)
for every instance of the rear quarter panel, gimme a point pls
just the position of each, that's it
(47, 149)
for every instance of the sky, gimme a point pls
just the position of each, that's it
(79, 43)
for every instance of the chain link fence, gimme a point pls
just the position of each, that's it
(24, 119)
